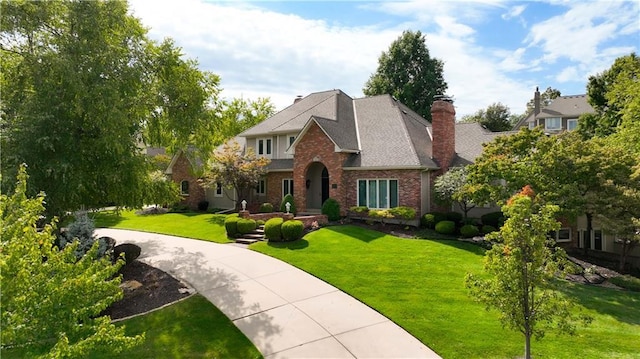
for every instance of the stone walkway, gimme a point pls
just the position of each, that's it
(284, 311)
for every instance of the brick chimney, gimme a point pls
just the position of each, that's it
(536, 102)
(443, 125)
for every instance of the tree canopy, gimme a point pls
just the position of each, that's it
(83, 89)
(408, 72)
(614, 95)
(51, 300)
(496, 117)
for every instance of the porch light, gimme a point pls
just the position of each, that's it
(287, 206)
(244, 205)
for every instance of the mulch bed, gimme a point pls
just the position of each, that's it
(145, 288)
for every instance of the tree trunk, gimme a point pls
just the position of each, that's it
(527, 346)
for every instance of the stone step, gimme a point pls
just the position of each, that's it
(246, 240)
(253, 235)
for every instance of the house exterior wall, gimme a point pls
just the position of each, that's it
(182, 171)
(609, 243)
(409, 186)
(227, 201)
(274, 188)
(315, 146)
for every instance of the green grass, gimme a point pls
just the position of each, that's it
(192, 328)
(419, 284)
(204, 226)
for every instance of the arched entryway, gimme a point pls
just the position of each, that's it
(317, 186)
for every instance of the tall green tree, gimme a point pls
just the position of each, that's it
(83, 89)
(51, 301)
(611, 93)
(523, 267)
(239, 115)
(409, 73)
(496, 117)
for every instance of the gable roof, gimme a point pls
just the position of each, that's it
(378, 131)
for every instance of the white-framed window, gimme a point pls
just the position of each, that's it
(265, 147)
(291, 140)
(572, 124)
(287, 186)
(561, 235)
(218, 192)
(553, 123)
(378, 193)
(184, 188)
(532, 124)
(261, 187)
(593, 240)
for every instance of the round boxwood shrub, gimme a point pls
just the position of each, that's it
(292, 230)
(445, 227)
(272, 229)
(259, 222)
(246, 226)
(266, 208)
(430, 219)
(469, 230)
(231, 225)
(331, 208)
(494, 219)
(288, 199)
(486, 229)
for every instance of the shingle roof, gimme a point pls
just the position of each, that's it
(384, 132)
(567, 106)
(293, 118)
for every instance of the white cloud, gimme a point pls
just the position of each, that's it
(514, 12)
(568, 74)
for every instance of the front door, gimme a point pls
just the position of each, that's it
(325, 185)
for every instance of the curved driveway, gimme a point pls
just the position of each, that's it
(284, 311)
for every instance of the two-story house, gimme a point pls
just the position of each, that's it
(560, 115)
(371, 151)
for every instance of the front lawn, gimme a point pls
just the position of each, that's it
(192, 328)
(204, 226)
(419, 284)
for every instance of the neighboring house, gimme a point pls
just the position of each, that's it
(560, 115)
(371, 151)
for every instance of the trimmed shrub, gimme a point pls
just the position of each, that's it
(359, 210)
(469, 230)
(380, 214)
(494, 219)
(486, 229)
(231, 225)
(430, 219)
(403, 213)
(246, 226)
(627, 282)
(259, 222)
(266, 208)
(331, 208)
(454, 217)
(445, 227)
(288, 199)
(292, 230)
(272, 229)
(203, 206)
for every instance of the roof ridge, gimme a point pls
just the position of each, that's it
(306, 109)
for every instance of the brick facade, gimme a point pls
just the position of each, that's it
(443, 125)
(314, 147)
(182, 171)
(274, 187)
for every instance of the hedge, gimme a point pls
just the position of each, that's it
(272, 229)
(445, 227)
(292, 230)
(231, 225)
(288, 199)
(266, 208)
(331, 208)
(469, 230)
(246, 226)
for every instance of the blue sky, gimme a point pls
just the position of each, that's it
(493, 50)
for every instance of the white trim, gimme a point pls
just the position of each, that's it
(283, 186)
(182, 192)
(218, 188)
(270, 147)
(258, 187)
(355, 123)
(381, 168)
(572, 120)
(388, 180)
(546, 123)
